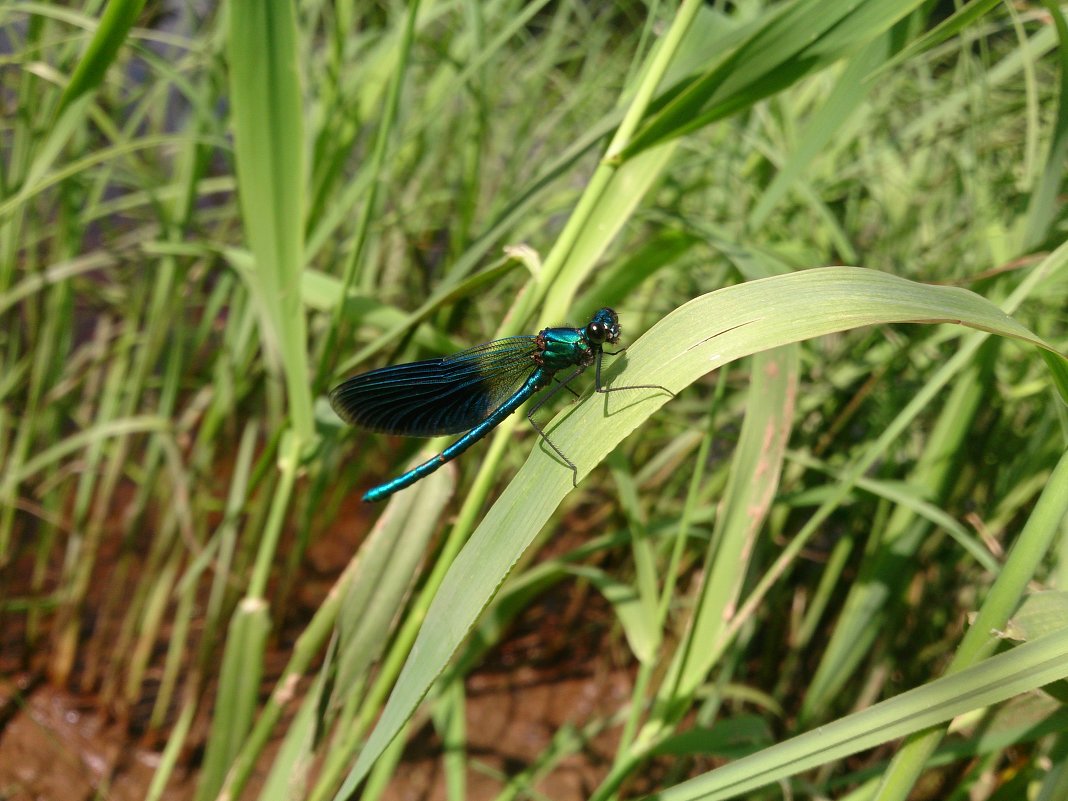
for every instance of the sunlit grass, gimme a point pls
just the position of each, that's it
(205, 222)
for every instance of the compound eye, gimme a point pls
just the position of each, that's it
(595, 333)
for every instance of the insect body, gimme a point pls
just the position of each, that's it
(474, 390)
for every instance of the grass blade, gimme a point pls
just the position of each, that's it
(695, 339)
(269, 151)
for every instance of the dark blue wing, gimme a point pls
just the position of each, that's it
(437, 396)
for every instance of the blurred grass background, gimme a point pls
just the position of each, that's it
(210, 214)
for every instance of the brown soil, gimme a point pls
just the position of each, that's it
(559, 665)
(61, 746)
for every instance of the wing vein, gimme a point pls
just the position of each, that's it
(448, 395)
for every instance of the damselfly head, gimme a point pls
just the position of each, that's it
(604, 327)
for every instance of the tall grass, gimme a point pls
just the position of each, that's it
(834, 566)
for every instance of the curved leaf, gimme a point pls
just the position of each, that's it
(695, 339)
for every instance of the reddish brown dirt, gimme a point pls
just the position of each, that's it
(559, 665)
(60, 746)
(511, 718)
